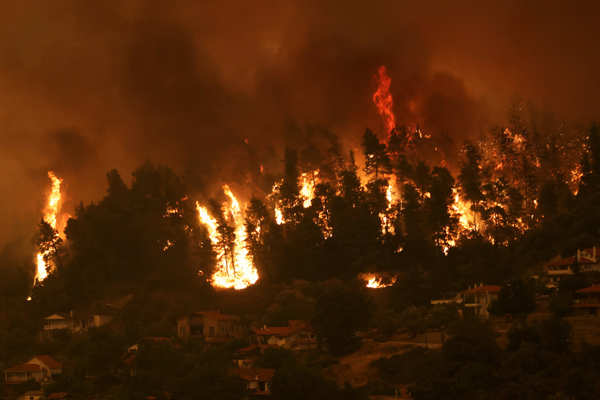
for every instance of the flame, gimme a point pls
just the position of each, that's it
(466, 216)
(235, 270)
(390, 196)
(307, 190)
(576, 175)
(383, 99)
(50, 216)
(375, 281)
(279, 216)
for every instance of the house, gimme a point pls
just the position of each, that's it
(22, 373)
(557, 269)
(40, 369)
(584, 261)
(48, 364)
(258, 380)
(59, 396)
(58, 322)
(32, 395)
(588, 300)
(298, 335)
(476, 300)
(75, 321)
(210, 326)
(246, 357)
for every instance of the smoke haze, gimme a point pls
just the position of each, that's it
(90, 86)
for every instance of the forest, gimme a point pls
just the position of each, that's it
(395, 211)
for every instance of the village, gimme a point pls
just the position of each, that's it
(248, 341)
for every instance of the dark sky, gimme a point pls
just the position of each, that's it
(86, 86)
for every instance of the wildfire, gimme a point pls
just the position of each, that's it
(307, 190)
(390, 196)
(50, 216)
(383, 99)
(234, 265)
(466, 216)
(375, 281)
(279, 216)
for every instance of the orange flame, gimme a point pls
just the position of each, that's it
(50, 215)
(383, 99)
(307, 190)
(238, 271)
(375, 281)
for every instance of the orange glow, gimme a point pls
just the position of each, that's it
(234, 270)
(308, 182)
(466, 216)
(50, 216)
(377, 281)
(383, 99)
(390, 196)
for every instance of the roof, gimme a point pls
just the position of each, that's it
(483, 289)
(294, 326)
(58, 395)
(56, 316)
(24, 368)
(48, 361)
(590, 289)
(561, 262)
(256, 374)
(276, 331)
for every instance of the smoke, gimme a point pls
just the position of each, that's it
(210, 87)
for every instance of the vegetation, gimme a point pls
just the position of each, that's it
(510, 200)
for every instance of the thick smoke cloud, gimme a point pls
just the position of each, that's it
(210, 87)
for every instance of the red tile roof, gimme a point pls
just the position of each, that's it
(24, 368)
(294, 326)
(49, 361)
(483, 289)
(276, 331)
(256, 374)
(58, 395)
(590, 289)
(562, 262)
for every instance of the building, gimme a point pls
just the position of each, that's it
(588, 300)
(40, 369)
(476, 300)
(22, 373)
(59, 396)
(75, 322)
(58, 322)
(258, 380)
(584, 261)
(557, 269)
(298, 335)
(210, 326)
(32, 395)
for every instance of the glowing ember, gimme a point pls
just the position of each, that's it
(576, 175)
(374, 281)
(383, 99)
(234, 266)
(50, 214)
